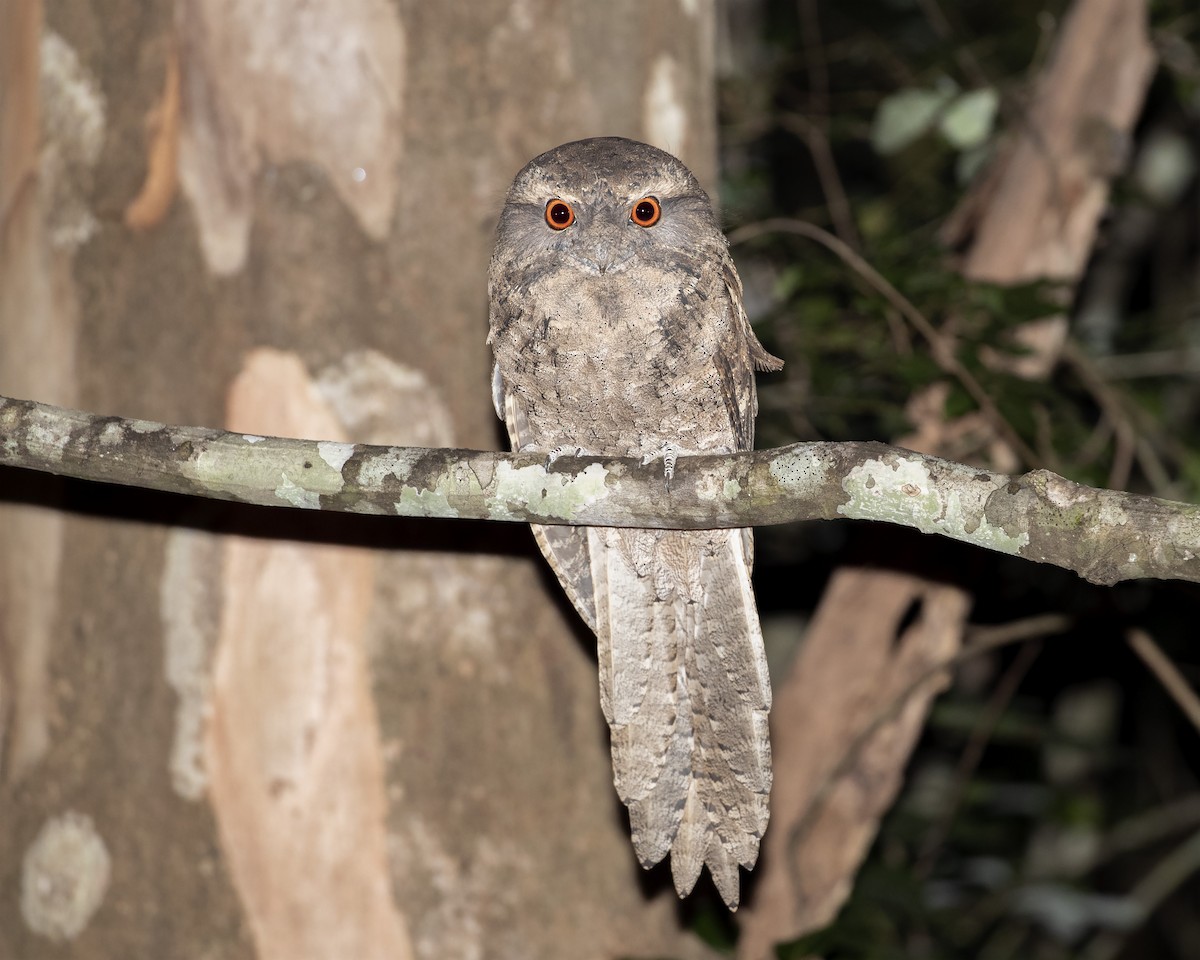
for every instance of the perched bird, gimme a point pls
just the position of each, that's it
(618, 328)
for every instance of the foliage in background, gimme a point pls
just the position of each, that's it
(1058, 782)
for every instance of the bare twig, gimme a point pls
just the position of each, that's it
(972, 753)
(1166, 673)
(970, 67)
(814, 129)
(1167, 876)
(816, 139)
(1143, 829)
(1129, 440)
(980, 640)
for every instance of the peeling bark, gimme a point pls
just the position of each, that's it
(846, 718)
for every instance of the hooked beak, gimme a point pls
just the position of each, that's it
(604, 254)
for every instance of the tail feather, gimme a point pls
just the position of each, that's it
(684, 681)
(636, 644)
(731, 668)
(693, 838)
(724, 870)
(654, 819)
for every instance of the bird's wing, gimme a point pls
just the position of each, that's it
(739, 355)
(764, 361)
(565, 548)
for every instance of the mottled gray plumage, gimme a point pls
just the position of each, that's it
(616, 338)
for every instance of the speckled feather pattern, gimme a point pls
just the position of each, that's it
(617, 339)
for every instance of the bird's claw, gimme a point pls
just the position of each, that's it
(562, 450)
(668, 453)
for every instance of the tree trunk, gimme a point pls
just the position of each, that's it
(227, 733)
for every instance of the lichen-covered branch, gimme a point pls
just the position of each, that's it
(1104, 535)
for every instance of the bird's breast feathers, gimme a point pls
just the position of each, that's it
(610, 362)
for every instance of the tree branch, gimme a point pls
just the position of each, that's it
(1103, 535)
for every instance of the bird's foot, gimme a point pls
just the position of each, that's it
(668, 453)
(563, 450)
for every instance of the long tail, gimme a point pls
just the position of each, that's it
(684, 687)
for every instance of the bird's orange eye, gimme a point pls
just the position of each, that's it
(646, 212)
(559, 214)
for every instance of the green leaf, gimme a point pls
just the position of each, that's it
(969, 120)
(907, 115)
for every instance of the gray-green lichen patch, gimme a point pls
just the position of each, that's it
(560, 495)
(297, 496)
(711, 488)
(335, 454)
(1105, 520)
(48, 434)
(973, 527)
(64, 876)
(1060, 492)
(112, 434)
(425, 503)
(182, 439)
(216, 473)
(218, 469)
(1077, 508)
(374, 469)
(9, 419)
(798, 470)
(1112, 513)
(904, 492)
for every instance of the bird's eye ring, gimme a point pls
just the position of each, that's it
(559, 214)
(646, 212)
